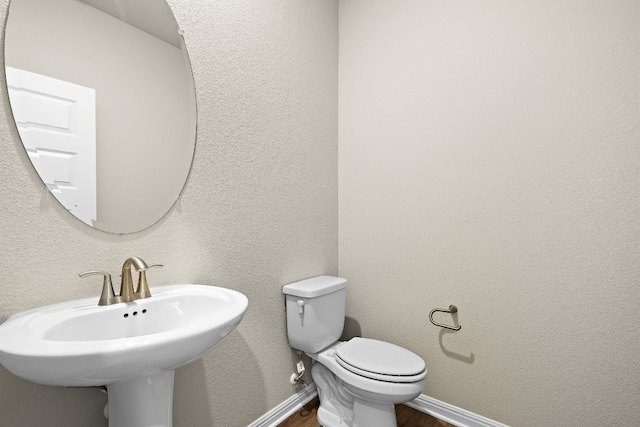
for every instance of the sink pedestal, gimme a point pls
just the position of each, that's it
(142, 402)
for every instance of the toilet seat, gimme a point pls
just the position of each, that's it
(380, 360)
(386, 389)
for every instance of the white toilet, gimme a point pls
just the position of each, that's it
(359, 380)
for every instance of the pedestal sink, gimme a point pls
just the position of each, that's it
(131, 348)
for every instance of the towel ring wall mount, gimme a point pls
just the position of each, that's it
(452, 309)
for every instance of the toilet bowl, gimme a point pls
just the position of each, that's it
(359, 380)
(397, 376)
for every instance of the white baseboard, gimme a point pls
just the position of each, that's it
(452, 414)
(287, 408)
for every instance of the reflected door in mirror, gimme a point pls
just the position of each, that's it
(57, 124)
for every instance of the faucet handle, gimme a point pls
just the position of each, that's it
(143, 287)
(108, 296)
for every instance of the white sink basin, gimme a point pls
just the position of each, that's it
(79, 343)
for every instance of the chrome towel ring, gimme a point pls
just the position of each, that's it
(452, 309)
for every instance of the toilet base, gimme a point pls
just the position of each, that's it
(365, 414)
(328, 419)
(340, 408)
(369, 414)
(336, 404)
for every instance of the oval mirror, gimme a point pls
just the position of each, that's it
(103, 98)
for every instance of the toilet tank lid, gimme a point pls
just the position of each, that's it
(315, 286)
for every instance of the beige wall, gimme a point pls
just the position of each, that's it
(490, 158)
(259, 211)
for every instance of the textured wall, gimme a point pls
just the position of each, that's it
(490, 158)
(259, 211)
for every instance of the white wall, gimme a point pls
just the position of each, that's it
(490, 158)
(259, 211)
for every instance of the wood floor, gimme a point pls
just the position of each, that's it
(407, 417)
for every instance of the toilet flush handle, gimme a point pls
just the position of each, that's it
(300, 306)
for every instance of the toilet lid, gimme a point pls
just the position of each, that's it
(380, 360)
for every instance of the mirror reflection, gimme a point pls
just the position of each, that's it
(102, 95)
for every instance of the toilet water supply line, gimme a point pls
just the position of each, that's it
(297, 378)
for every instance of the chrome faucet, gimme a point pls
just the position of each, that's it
(127, 293)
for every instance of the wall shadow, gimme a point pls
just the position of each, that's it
(23, 403)
(351, 329)
(212, 391)
(470, 358)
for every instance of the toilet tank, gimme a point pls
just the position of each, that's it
(315, 312)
